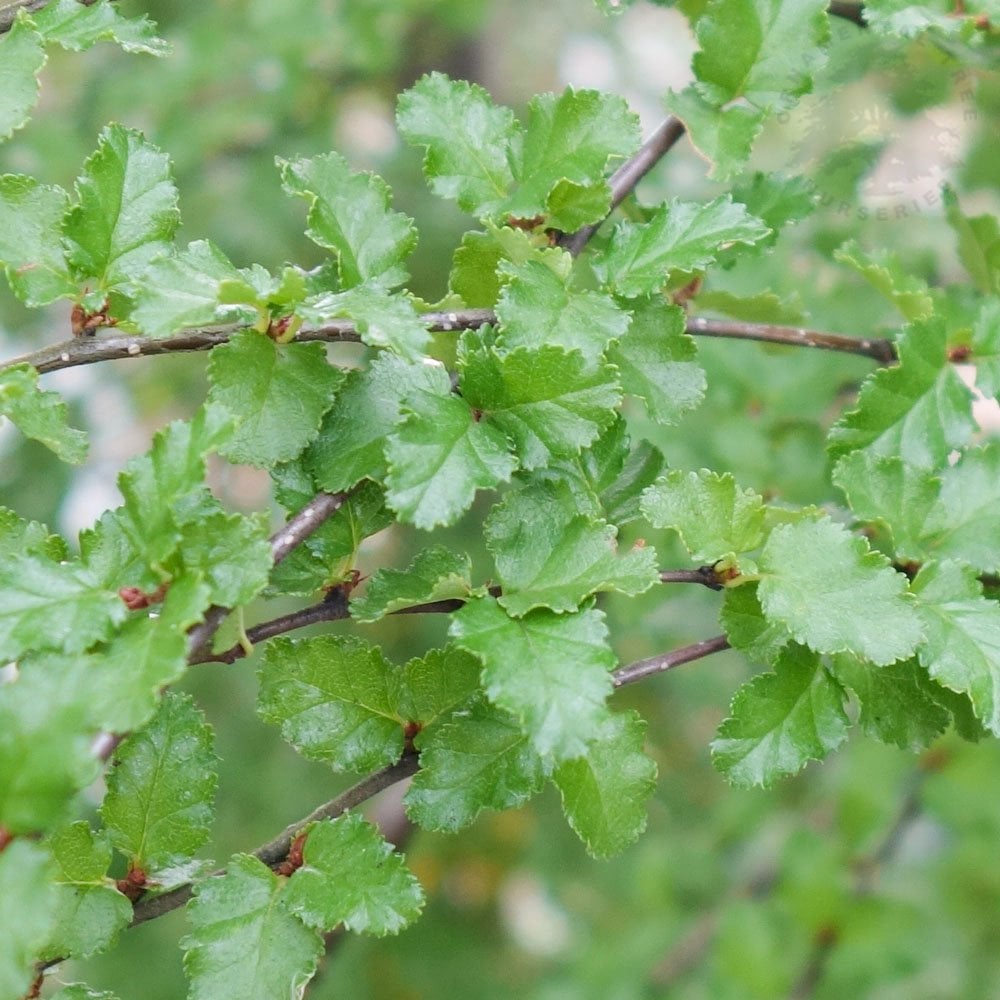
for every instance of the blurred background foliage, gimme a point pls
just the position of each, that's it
(876, 874)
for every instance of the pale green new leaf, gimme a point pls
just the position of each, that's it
(127, 211)
(349, 214)
(39, 414)
(883, 271)
(31, 247)
(679, 236)
(351, 876)
(336, 700)
(780, 721)
(161, 790)
(22, 56)
(436, 574)
(604, 793)
(480, 759)
(77, 27)
(549, 556)
(276, 394)
(552, 672)
(244, 944)
(836, 595)
(28, 901)
(467, 138)
(91, 911)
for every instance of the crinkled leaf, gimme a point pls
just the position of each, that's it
(834, 594)
(28, 901)
(436, 574)
(29, 537)
(231, 552)
(351, 876)
(679, 236)
(349, 214)
(161, 790)
(31, 247)
(244, 944)
(436, 683)
(551, 671)
(277, 395)
(77, 27)
(604, 793)
(481, 759)
(467, 138)
(713, 516)
(549, 556)
(335, 699)
(22, 56)
(886, 274)
(747, 627)
(571, 206)
(780, 721)
(127, 211)
(39, 414)
(919, 409)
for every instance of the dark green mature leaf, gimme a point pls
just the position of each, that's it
(763, 50)
(336, 700)
(38, 414)
(161, 791)
(834, 594)
(713, 516)
(77, 27)
(884, 272)
(351, 876)
(244, 944)
(978, 243)
(28, 901)
(435, 684)
(780, 721)
(127, 211)
(537, 307)
(747, 627)
(679, 236)
(91, 911)
(22, 56)
(962, 651)
(349, 214)
(548, 555)
(480, 759)
(31, 247)
(604, 793)
(441, 456)
(548, 401)
(435, 574)
(919, 409)
(277, 395)
(551, 671)
(467, 138)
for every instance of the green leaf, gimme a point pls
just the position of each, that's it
(351, 876)
(277, 395)
(962, 651)
(537, 307)
(127, 212)
(481, 759)
(604, 793)
(22, 56)
(28, 537)
(552, 672)
(38, 414)
(441, 456)
(77, 27)
(571, 206)
(383, 319)
(568, 137)
(834, 594)
(28, 901)
(679, 236)
(436, 683)
(161, 789)
(31, 247)
(763, 50)
(78, 991)
(239, 916)
(780, 721)
(884, 272)
(467, 138)
(335, 699)
(978, 243)
(436, 574)
(985, 345)
(549, 556)
(91, 911)
(548, 401)
(713, 516)
(907, 20)
(747, 627)
(919, 409)
(349, 214)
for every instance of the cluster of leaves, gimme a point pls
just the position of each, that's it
(533, 402)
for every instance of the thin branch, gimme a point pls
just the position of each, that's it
(642, 669)
(849, 12)
(705, 575)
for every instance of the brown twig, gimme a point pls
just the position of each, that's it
(642, 669)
